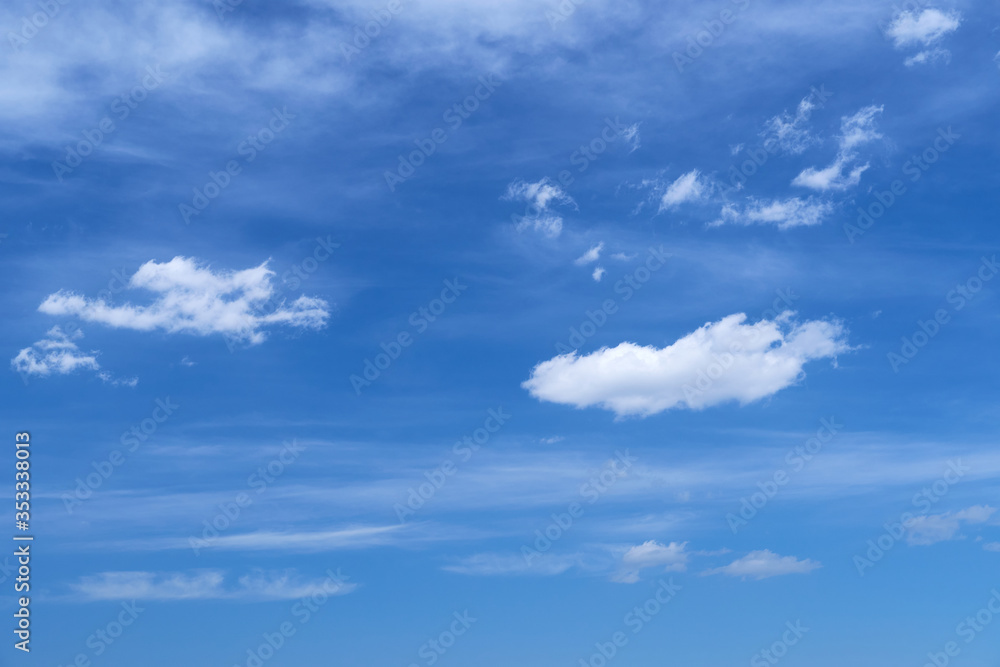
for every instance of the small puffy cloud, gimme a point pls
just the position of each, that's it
(540, 197)
(855, 131)
(590, 256)
(933, 528)
(206, 585)
(108, 378)
(688, 187)
(191, 298)
(722, 361)
(598, 273)
(923, 28)
(764, 564)
(789, 133)
(785, 213)
(55, 354)
(672, 557)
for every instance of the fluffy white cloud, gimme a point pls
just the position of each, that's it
(191, 298)
(934, 528)
(789, 133)
(855, 131)
(924, 28)
(722, 361)
(598, 273)
(205, 585)
(688, 187)
(56, 353)
(672, 557)
(785, 213)
(590, 256)
(765, 563)
(540, 196)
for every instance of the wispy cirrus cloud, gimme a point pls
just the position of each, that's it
(205, 585)
(764, 564)
(783, 213)
(845, 171)
(540, 198)
(671, 557)
(933, 528)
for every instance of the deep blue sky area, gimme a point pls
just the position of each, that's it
(526, 333)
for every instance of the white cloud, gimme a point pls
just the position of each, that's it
(623, 257)
(720, 362)
(992, 546)
(590, 256)
(688, 187)
(786, 213)
(191, 298)
(928, 56)
(491, 565)
(631, 136)
(672, 557)
(108, 378)
(56, 353)
(789, 133)
(540, 196)
(934, 528)
(598, 273)
(925, 28)
(205, 585)
(855, 131)
(765, 563)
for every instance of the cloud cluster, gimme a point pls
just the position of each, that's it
(192, 298)
(855, 131)
(923, 29)
(789, 134)
(539, 196)
(933, 528)
(722, 361)
(55, 354)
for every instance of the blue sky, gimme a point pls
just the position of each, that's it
(524, 333)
